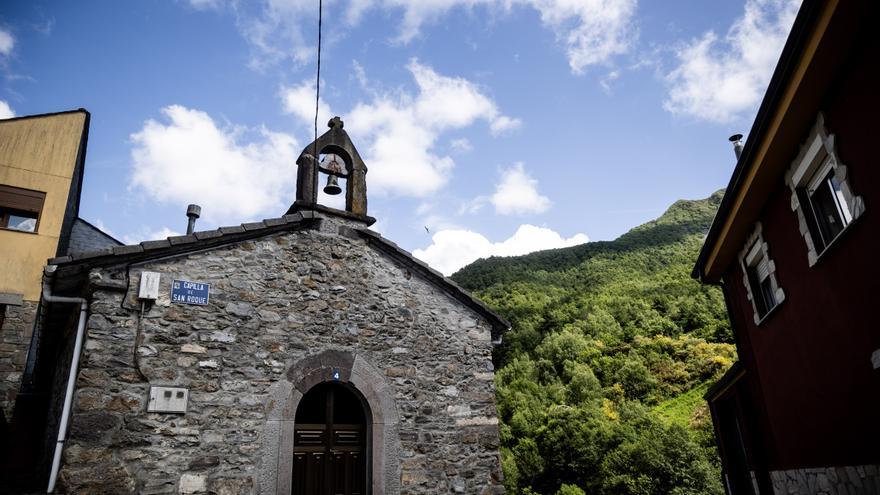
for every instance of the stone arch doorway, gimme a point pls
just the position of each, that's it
(331, 441)
(358, 374)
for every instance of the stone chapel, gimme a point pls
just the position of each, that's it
(304, 354)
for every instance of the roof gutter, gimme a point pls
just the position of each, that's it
(794, 46)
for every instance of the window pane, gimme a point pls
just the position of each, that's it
(841, 202)
(829, 216)
(767, 293)
(18, 222)
(757, 294)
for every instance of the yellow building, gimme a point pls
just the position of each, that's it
(41, 162)
(41, 170)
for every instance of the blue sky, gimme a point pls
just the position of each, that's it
(503, 126)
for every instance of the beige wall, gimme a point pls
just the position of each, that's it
(36, 153)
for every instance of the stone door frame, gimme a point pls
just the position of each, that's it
(276, 470)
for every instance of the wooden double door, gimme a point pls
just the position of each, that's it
(329, 450)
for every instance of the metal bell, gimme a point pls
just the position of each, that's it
(332, 188)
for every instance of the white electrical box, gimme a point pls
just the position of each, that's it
(168, 399)
(149, 288)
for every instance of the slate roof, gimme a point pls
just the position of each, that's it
(186, 243)
(199, 241)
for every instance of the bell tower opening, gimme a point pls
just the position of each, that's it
(332, 157)
(333, 180)
(330, 442)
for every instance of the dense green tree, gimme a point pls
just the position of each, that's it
(600, 380)
(661, 460)
(569, 490)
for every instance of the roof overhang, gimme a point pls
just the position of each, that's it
(730, 378)
(813, 53)
(73, 270)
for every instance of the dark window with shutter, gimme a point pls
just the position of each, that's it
(758, 273)
(20, 208)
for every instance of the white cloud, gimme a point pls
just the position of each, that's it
(517, 193)
(7, 42)
(452, 249)
(454, 102)
(718, 79)
(300, 102)
(276, 30)
(607, 82)
(148, 234)
(504, 124)
(397, 132)
(192, 160)
(461, 145)
(361, 75)
(591, 31)
(205, 4)
(6, 111)
(473, 206)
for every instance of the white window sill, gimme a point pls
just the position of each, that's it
(760, 321)
(833, 243)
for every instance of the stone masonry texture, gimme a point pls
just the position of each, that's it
(275, 302)
(15, 336)
(840, 480)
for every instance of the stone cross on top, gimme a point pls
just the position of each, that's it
(336, 123)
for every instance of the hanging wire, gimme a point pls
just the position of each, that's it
(318, 84)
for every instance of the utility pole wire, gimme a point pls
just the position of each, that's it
(318, 84)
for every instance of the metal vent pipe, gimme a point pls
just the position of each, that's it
(193, 212)
(736, 139)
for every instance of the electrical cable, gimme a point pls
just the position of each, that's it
(318, 83)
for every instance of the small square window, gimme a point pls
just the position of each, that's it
(20, 208)
(827, 206)
(822, 195)
(758, 273)
(759, 276)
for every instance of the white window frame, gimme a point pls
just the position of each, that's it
(755, 251)
(818, 155)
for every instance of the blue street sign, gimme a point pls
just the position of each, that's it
(186, 292)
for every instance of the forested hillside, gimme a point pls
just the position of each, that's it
(600, 380)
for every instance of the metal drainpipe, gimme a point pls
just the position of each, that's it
(71, 378)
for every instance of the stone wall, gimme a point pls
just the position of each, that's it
(15, 337)
(848, 480)
(276, 303)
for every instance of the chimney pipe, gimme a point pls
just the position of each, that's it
(192, 212)
(736, 139)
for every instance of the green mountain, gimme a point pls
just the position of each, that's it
(600, 380)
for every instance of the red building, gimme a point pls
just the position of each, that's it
(795, 246)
